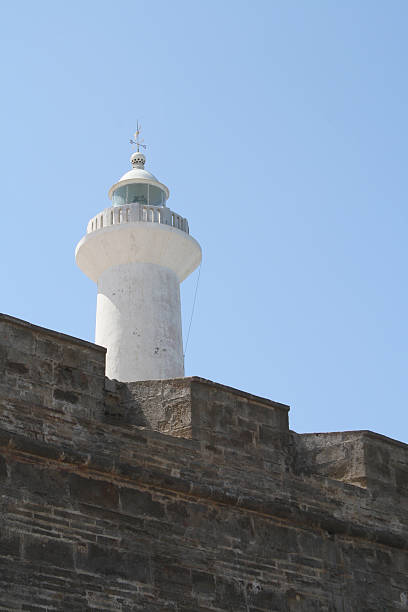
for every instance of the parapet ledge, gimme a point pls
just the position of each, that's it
(9, 321)
(43, 368)
(197, 408)
(362, 458)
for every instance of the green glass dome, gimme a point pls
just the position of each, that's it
(139, 193)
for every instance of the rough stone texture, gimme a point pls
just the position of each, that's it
(184, 495)
(363, 458)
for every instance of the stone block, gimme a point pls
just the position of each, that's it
(3, 469)
(401, 480)
(225, 417)
(231, 594)
(38, 482)
(112, 563)
(9, 543)
(40, 550)
(203, 584)
(17, 334)
(140, 503)
(339, 455)
(93, 492)
(43, 367)
(65, 396)
(164, 406)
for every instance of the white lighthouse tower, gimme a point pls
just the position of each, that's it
(138, 252)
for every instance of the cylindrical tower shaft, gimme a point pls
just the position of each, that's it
(138, 319)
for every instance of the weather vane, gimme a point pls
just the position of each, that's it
(135, 140)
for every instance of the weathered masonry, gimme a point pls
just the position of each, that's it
(184, 495)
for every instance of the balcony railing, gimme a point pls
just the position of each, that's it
(132, 213)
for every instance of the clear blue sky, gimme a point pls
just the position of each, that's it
(281, 130)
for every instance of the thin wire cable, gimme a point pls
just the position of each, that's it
(192, 310)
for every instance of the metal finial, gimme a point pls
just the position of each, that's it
(136, 141)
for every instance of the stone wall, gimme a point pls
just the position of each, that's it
(184, 495)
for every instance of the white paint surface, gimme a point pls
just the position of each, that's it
(138, 242)
(138, 319)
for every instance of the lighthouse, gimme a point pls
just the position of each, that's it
(138, 251)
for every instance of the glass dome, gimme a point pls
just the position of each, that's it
(139, 193)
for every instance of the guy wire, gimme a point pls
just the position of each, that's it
(192, 310)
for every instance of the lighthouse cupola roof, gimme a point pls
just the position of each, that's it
(138, 185)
